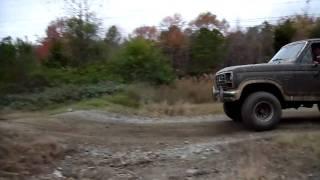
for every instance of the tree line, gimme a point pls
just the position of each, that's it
(74, 51)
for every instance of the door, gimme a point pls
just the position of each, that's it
(307, 76)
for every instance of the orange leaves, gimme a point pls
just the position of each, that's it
(209, 21)
(43, 50)
(174, 37)
(55, 31)
(175, 20)
(146, 32)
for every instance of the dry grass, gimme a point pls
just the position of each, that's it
(180, 109)
(187, 96)
(186, 90)
(190, 90)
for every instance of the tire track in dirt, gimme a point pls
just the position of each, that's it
(128, 145)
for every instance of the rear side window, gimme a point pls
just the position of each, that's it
(315, 52)
(307, 58)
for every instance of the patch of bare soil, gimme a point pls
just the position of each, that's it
(99, 145)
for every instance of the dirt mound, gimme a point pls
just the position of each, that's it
(22, 155)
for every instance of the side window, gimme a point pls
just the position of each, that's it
(316, 52)
(307, 58)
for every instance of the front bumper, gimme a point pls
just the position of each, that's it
(225, 96)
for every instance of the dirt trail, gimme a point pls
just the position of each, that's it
(112, 146)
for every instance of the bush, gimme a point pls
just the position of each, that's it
(140, 60)
(45, 77)
(18, 62)
(51, 96)
(94, 73)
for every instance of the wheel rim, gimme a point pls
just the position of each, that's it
(263, 111)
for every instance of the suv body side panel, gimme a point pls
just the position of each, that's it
(295, 80)
(237, 93)
(307, 80)
(277, 76)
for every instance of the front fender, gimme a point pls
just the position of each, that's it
(246, 83)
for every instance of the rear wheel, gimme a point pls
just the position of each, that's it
(261, 111)
(233, 110)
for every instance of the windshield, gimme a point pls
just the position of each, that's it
(287, 53)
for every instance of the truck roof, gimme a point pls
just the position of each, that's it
(307, 40)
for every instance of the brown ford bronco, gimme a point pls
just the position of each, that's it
(256, 94)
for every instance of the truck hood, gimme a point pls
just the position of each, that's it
(257, 68)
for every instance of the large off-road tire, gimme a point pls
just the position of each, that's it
(261, 111)
(233, 110)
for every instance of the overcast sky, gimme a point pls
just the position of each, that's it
(20, 18)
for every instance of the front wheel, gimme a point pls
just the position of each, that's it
(261, 111)
(233, 110)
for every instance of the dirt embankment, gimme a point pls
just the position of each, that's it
(100, 145)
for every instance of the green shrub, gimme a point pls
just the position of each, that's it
(140, 60)
(92, 103)
(18, 63)
(90, 74)
(125, 100)
(63, 94)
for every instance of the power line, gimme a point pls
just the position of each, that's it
(269, 19)
(297, 1)
(110, 17)
(249, 20)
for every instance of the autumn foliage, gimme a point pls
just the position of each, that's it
(74, 50)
